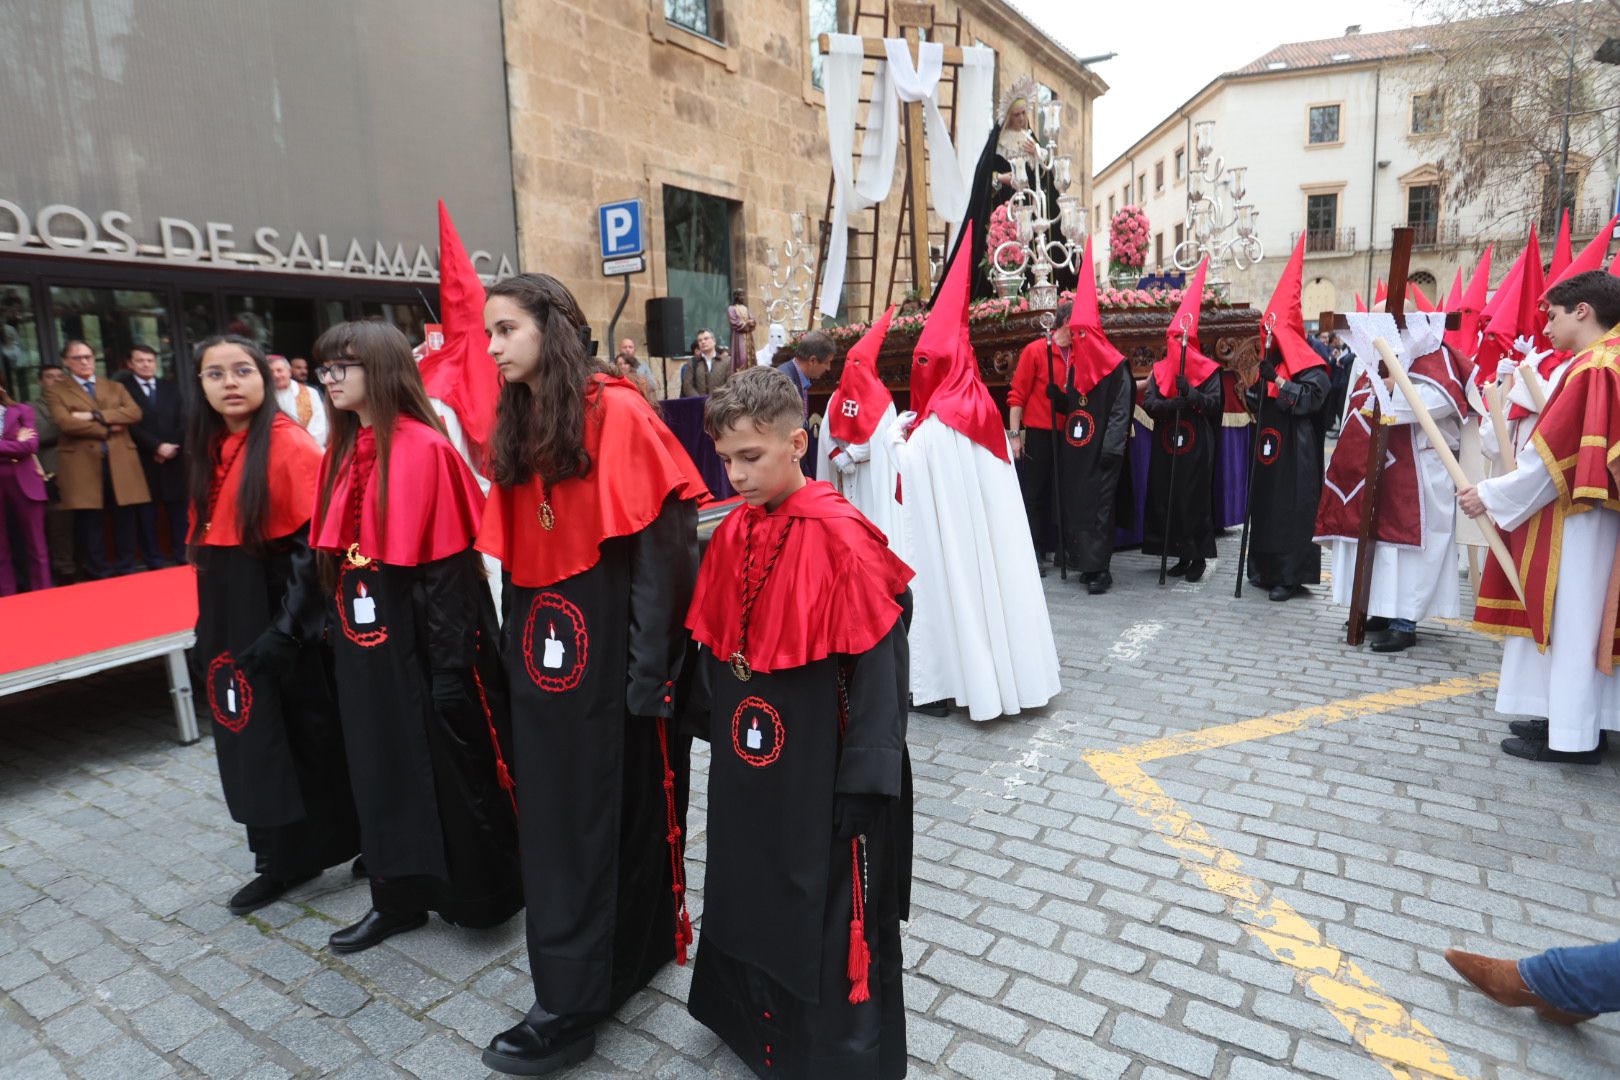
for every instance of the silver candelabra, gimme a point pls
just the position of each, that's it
(1219, 223)
(792, 279)
(1033, 218)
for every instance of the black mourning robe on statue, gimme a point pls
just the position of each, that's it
(1096, 483)
(1288, 468)
(1185, 430)
(278, 742)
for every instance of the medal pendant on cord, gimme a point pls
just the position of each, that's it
(740, 668)
(354, 557)
(548, 520)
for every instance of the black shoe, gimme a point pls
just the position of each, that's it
(1178, 569)
(1374, 624)
(1394, 641)
(1537, 750)
(933, 708)
(1088, 576)
(1195, 570)
(376, 928)
(1099, 584)
(357, 869)
(1529, 730)
(1044, 569)
(260, 892)
(1282, 592)
(525, 1051)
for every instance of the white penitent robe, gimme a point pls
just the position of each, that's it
(980, 633)
(1521, 429)
(1419, 583)
(1562, 684)
(287, 402)
(866, 474)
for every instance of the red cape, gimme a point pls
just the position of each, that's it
(433, 501)
(294, 464)
(1199, 368)
(636, 462)
(833, 589)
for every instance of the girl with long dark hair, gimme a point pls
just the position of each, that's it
(260, 664)
(594, 517)
(413, 632)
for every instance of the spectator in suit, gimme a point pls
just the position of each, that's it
(98, 467)
(158, 437)
(58, 522)
(22, 496)
(705, 372)
(298, 401)
(812, 358)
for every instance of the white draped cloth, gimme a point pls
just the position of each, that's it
(980, 633)
(1562, 684)
(869, 475)
(1415, 583)
(896, 80)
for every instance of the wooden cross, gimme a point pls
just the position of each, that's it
(913, 18)
(1400, 260)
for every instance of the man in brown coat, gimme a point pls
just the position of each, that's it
(97, 465)
(706, 372)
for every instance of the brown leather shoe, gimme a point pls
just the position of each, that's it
(1500, 981)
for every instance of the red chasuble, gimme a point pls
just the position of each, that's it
(831, 589)
(1578, 438)
(636, 463)
(294, 465)
(433, 501)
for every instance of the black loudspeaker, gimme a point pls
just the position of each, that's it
(666, 327)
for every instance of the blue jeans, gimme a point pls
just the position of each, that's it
(1403, 624)
(1581, 980)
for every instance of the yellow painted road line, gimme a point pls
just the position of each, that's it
(1377, 1022)
(1282, 723)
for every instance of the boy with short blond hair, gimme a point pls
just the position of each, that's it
(801, 690)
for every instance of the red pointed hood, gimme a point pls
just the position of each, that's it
(1199, 366)
(1454, 297)
(1381, 294)
(1561, 256)
(1518, 314)
(1092, 356)
(1285, 319)
(1590, 258)
(1361, 305)
(945, 378)
(462, 374)
(858, 404)
(1465, 339)
(1419, 299)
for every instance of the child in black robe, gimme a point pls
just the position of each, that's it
(801, 692)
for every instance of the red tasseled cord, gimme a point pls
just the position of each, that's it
(860, 956)
(503, 775)
(677, 860)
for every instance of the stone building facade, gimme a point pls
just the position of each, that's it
(722, 135)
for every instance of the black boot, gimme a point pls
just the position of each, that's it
(1529, 730)
(1394, 641)
(527, 1050)
(1099, 584)
(1195, 570)
(1540, 751)
(1179, 568)
(376, 928)
(260, 892)
(1282, 592)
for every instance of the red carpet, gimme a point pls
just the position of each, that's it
(58, 624)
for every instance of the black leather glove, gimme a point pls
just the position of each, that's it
(854, 815)
(453, 691)
(1268, 371)
(1059, 397)
(270, 657)
(1183, 387)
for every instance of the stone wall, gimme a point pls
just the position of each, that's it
(645, 103)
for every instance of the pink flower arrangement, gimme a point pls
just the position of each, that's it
(1000, 230)
(1128, 239)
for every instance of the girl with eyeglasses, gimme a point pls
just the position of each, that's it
(594, 518)
(413, 631)
(259, 660)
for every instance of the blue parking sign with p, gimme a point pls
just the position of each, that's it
(619, 224)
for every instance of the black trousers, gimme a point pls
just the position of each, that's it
(1037, 480)
(90, 533)
(146, 520)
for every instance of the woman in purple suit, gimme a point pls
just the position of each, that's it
(22, 495)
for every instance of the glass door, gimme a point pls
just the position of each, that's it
(114, 320)
(19, 342)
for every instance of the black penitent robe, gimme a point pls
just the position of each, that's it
(1185, 430)
(771, 976)
(438, 828)
(1093, 444)
(593, 660)
(1288, 467)
(279, 745)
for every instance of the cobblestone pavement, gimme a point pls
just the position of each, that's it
(1099, 892)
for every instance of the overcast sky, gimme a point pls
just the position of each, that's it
(1169, 49)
